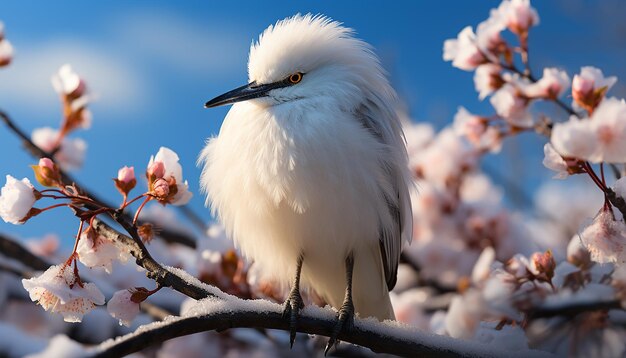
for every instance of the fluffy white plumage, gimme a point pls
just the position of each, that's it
(318, 167)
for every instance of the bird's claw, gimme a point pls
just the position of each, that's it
(345, 323)
(291, 311)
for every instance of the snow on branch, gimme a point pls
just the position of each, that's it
(381, 337)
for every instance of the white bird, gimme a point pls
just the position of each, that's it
(309, 171)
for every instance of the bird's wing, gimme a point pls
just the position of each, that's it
(384, 124)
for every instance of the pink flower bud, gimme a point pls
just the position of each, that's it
(46, 163)
(126, 174)
(544, 263)
(161, 188)
(582, 86)
(157, 169)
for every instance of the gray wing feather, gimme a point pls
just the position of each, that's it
(384, 124)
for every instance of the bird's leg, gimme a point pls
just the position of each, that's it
(294, 303)
(345, 317)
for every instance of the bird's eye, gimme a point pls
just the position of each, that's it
(295, 78)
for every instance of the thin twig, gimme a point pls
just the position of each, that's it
(168, 235)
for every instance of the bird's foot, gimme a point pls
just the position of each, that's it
(345, 323)
(291, 310)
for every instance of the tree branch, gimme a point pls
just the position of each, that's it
(169, 235)
(10, 248)
(391, 338)
(156, 271)
(571, 310)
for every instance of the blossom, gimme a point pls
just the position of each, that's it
(477, 131)
(488, 36)
(511, 105)
(178, 190)
(17, 198)
(126, 180)
(6, 50)
(487, 79)
(620, 187)
(72, 152)
(47, 173)
(96, 250)
(552, 85)
(553, 161)
(464, 315)
(518, 15)
(605, 238)
(601, 138)
(58, 290)
(590, 86)
(463, 51)
(67, 82)
(122, 307)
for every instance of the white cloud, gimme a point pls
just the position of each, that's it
(26, 82)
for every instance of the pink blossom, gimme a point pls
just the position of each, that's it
(463, 51)
(408, 307)
(67, 82)
(17, 198)
(95, 250)
(518, 15)
(601, 138)
(590, 86)
(6, 52)
(173, 170)
(72, 152)
(512, 106)
(488, 36)
(58, 291)
(126, 174)
(477, 131)
(605, 238)
(122, 307)
(487, 79)
(161, 188)
(553, 161)
(552, 85)
(157, 169)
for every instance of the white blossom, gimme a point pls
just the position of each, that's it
(17, 197)
(601, 138)
(463, 51)
(66, 81)
(605, 238)
(98, 251)
(588, 81)
(552, 85)
(72, 152)
(173, 169)
(121, 306)
(464, 315)
(487, 79)
(57, 290)
(518, 15)
(510, 105)
(553, 161)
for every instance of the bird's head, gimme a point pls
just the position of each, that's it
(304, 57)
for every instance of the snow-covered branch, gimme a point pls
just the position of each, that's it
(220, 315)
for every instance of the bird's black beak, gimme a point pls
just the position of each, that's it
(250, 91)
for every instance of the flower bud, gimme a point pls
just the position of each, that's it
(156, 169)
(161, 188)
(544, 264)
(125, 181)
(47, 173)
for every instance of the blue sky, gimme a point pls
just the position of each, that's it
(153, 64)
